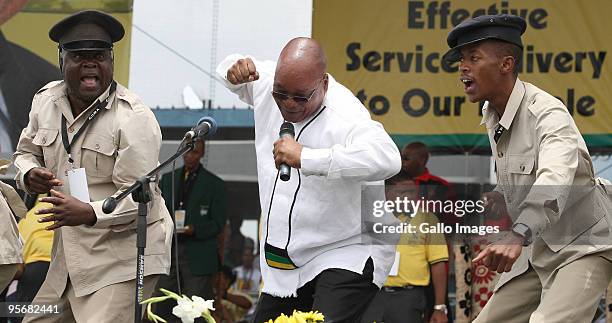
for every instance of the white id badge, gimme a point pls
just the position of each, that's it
(179, 219)
(78, 184)
(395, 267)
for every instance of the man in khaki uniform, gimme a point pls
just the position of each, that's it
(90, 124)
(10, 241)
(557, 258)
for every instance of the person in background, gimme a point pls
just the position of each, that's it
(11, 260)
(36, 254)
(11, 207)
(231, 305)
(421, 258)
(235, 242)
(248, 278)
(22, 73)
(200, 205)
(415, 156)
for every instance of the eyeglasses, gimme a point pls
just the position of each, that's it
(296, 98)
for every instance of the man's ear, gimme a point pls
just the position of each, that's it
(507, 64)
(325, 81)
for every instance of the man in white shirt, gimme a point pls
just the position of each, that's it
(248, 278)
(313, 253)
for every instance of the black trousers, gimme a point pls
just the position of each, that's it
(341, 295)
(398, 306)
(32, 278)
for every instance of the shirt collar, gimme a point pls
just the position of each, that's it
(513, 104)
(425, 176)
(490, 116)
(102, 97)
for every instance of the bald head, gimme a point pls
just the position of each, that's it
(304, 54)
(300, 72)
(418, 149)
(414, 159)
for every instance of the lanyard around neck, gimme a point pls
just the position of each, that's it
(97, 108)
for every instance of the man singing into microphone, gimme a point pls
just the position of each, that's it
(88, 138)
(312, 252)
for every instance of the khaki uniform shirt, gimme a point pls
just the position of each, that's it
(10, 241)
(545, 173)
(121, 144)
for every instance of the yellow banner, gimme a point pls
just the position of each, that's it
(388, 53)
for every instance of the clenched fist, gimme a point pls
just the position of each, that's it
(242, 71)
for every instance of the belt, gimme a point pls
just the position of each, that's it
(392, 289)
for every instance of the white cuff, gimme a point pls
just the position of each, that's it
(315, 161)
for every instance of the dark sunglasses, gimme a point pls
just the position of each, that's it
(296, 98)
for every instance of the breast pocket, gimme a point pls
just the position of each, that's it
(98, 155)
(521, 164)
(521, 172)
(45, 138)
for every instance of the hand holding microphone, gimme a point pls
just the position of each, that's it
(287, 151)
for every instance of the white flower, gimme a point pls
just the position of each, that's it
(185, 310)
(201, 305)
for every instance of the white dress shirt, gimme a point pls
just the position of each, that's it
(316, 216)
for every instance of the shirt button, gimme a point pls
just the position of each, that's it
(500, 154)
(71, 130)
(522, 167)
(44, 140)
(97, 146)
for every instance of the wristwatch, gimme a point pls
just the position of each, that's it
(441, 307)
(523, 230)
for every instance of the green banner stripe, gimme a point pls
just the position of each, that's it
(463, 140)
(598, 141)
(481, 140)
(278, 258)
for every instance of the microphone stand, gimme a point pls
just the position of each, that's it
(141, 193)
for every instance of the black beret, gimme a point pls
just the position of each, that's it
(87, 30)
(508, 28)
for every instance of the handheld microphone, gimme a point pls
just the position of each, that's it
(205, 126)
(286, 129)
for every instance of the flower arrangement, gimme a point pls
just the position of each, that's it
(299, 317)
(187, 309)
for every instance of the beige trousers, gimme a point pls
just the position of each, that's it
(113, 303)
(573, 295)
(7, 273)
